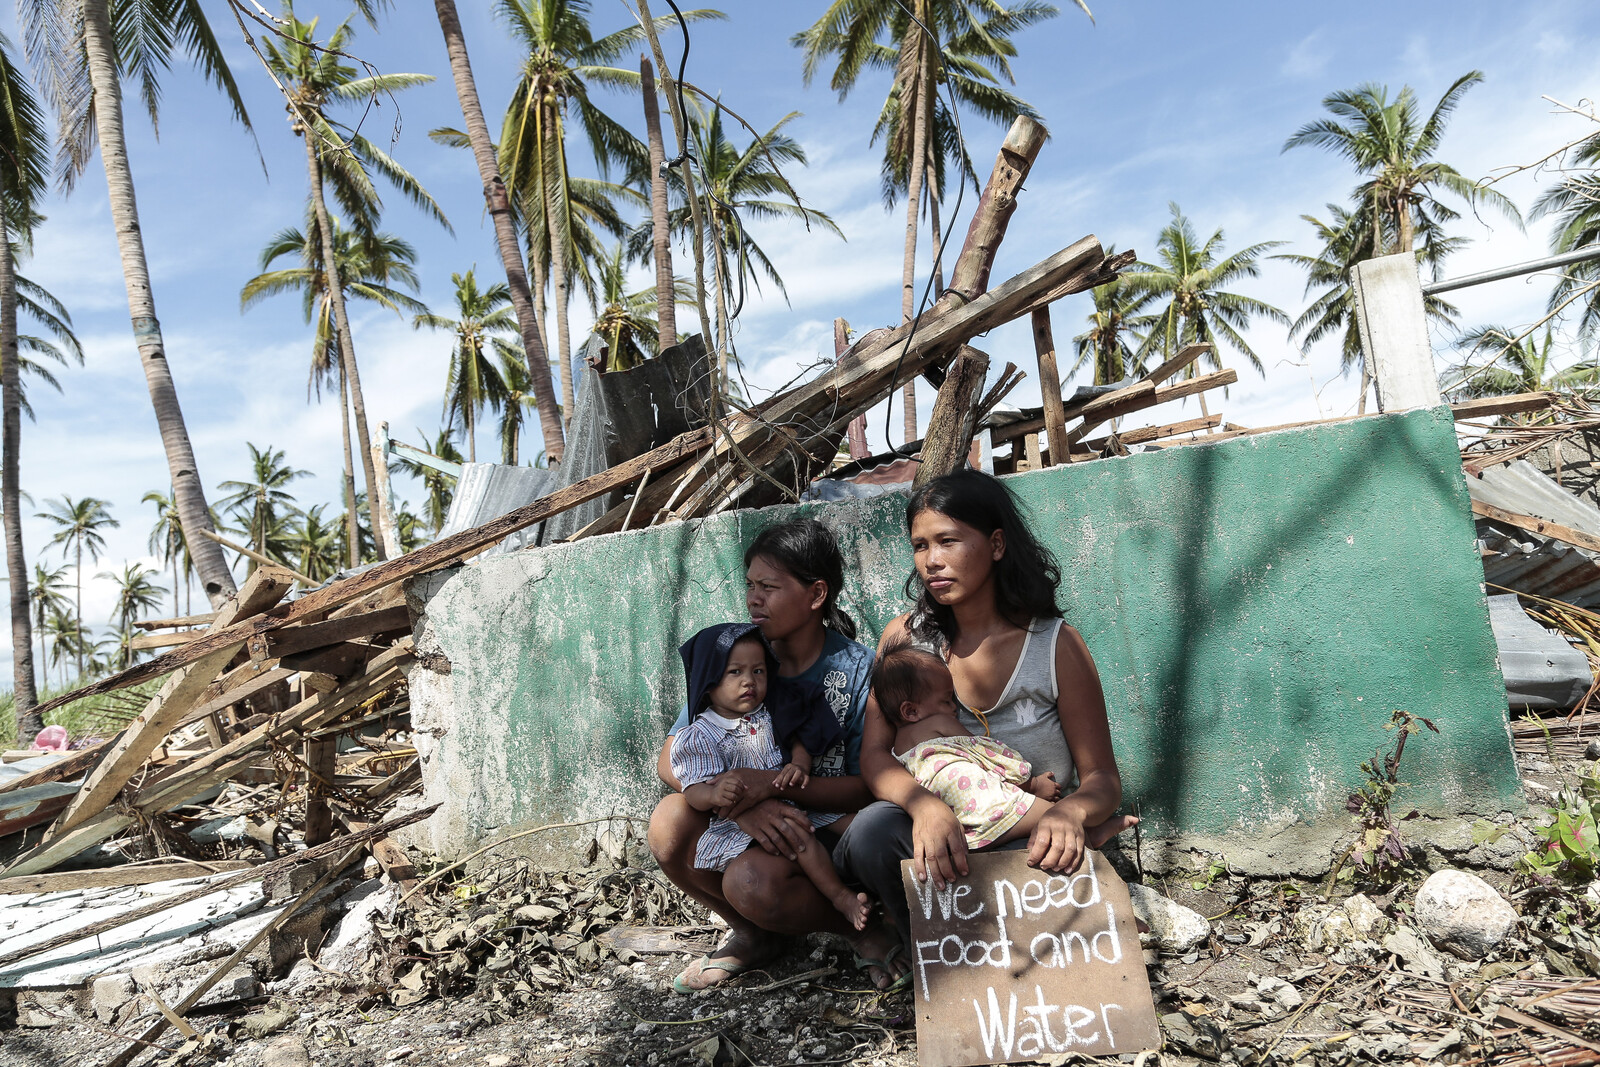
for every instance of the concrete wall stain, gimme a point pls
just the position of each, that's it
(1257, 607)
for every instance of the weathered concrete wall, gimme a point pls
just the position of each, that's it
(1257, 607)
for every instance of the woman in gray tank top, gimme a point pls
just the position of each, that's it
(985, 594)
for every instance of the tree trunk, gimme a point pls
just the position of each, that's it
(556, 231)
(541, 285)
(187, 489)
(1405, 225)
(666, 304)
(27, 696)
(352, 523)
(505, 231)
(915, 173)
(341, 323)
(78, 574)
(472, 432)
(938, 238)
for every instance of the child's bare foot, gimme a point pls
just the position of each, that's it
(1095, 836)
(853, 906)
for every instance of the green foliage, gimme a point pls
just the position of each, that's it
(1208, 878)
(1379, 851)
(1567, 850)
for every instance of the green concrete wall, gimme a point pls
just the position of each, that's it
(1257, 607)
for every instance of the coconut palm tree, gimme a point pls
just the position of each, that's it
(262, 504)
(315, 78)
(79, 523)
(1189, 277)
(1392, 148)
(69, 640)
(969, 54)
(499, 206)
(474, 382)
(1108, 346)
(315, 544)
(562, 59)
(1501, 361)
(367, 265)
(166, 542)
(1575, 205)
(136, 595)
(516, 399)
(436, 484)
(626, 322)
(47, 596)
(83, 49)
(24, 149)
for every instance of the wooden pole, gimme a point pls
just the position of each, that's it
(1055, 419)
(856, 432)
(955, 412)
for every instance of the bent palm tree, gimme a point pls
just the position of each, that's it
(82, 53)
(315, 78)
(474, 382)
(79, 523)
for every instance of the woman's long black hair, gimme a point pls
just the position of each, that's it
(810, 553)
(1025, 577)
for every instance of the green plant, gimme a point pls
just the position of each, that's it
(1568, 849)
(1379, 851)
(1208, 878)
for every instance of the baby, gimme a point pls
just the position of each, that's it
(730, 669)
(992, 789)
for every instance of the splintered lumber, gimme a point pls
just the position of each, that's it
(168, 707)
(145, 642)
(954, 418)
(216, 766)
(440, 553)
(1533, 524)
(320, 763)
(1055, 417)
(266, 561)
(185, 620)
(970, 275)
(117, 877)
(69, 766)
(259, 684)
(1154, 433)
(390, 856)
(309, 636)
(253, 874)
(1502, 405)
(1124, 402)
(1186, 355)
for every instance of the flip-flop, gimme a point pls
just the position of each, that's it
(901, 982)
(733, 969)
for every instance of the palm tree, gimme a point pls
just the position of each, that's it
(1190, 278)
(367, 264)
(437, 484)
(69, 640)
(314, 78)
(166, 542)
(474, 382)
(82, 52)
(46, 597)
(1519, 365)
(1575, 204)
(1393, 149)
(79, 523)
(514, 401)
(136, 595)
(24, 145)
(969, 55)
(1108, 345)
(316, 545)
(263, 503)
(626, 322)
(562, 59)
(499, 206)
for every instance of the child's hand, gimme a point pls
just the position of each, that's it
(1044, 786)
(791, 777)
(726, 791)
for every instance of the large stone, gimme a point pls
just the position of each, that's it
(108, 994)
(1462, 914)
(1173, 927)
(353, 940)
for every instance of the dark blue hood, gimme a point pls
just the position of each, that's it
(797, 708)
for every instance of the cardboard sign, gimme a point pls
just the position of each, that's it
(1012, 963)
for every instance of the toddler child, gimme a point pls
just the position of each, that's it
(991, 788)
(732, 672)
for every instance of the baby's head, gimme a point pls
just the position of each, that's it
(911, 683)
(743, 685)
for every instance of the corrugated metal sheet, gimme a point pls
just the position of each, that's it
(486, 491)
(1527, 562)
(1523, 488)
(1541, 670)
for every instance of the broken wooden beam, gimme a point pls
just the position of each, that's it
(310, 636)
(1154, 433)
(118, 877)
(145, 642)
(1534, 524)
(954, 418)
(1502, 405)
(183, 620)
(970, 275)
(1055, 415)
(1124, 402)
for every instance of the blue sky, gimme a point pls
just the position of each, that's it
(1155, 102)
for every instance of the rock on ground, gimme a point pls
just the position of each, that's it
(1462, 914)
(1173, 927)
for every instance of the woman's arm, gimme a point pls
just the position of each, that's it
(1057, 842)
(664, 767)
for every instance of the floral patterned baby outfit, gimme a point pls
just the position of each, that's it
(979, 778)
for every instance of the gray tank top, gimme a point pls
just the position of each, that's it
(1027, 716)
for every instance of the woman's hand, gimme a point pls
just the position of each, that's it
(782, 829)
(1056, 844)
(939, 845)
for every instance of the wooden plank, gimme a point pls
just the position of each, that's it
(1055, 416)
(177, 697)
(1155, 433)
(339, 661)
(1110, 266)
(261, 560)
(114, 877)
(1139, 397)
(73, 765)
(320, 753)
(1186, 355)
(183, 620)
(440, 553)
(1533, 524)
(970, 275)
(144, 642)
(292, 639)
(390, 856)
(1502, 405)
(955, 412)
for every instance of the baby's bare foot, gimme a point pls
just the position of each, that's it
(854, 907)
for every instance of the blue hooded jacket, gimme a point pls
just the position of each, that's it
(797, 708)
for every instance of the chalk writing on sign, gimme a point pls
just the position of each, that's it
(1012, 963)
